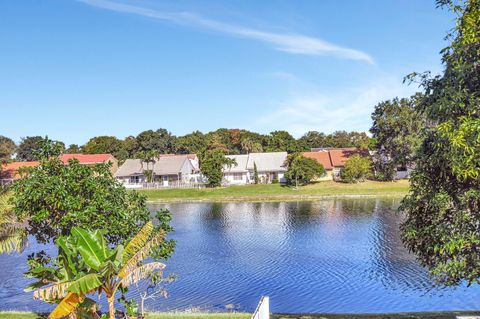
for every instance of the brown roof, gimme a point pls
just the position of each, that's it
(189, 156)
(334, 157)
(10, 170)
(86, 158)
(323, 157)
(340, 155)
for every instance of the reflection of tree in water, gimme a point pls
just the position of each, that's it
(392, 264)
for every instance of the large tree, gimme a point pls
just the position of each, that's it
(302, 170)
(442, 210)
(73, 149)
(55, 197)
(396, 129)
(30, 145)
(161, 141)
(314, 139)
(195, 142)
(212, 164)
(7, 147)
(282, 141)
(106, 144)
(338, 139)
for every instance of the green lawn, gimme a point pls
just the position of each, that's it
(278, 192)
(29, 315)
(431, 315)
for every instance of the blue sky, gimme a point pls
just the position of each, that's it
(76, 69)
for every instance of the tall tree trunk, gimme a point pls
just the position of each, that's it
(142, 309)
(111, 307)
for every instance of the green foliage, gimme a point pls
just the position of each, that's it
(160, 141)
(302, 170)
(442, 208)
(396, 129)
(54, 197)
(73, 149)
(31, 145)
(193, 143)
(357, 169)
(106, 145)
(212, 165)
(281, 141)
(7, 147)
(337, 139)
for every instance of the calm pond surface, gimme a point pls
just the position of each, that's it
(339, 256)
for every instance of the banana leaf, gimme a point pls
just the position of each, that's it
(92, 246)
(85, 284)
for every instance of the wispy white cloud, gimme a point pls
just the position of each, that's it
(287, 42)
(327, 112)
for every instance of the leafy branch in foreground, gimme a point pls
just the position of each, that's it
(442, 225)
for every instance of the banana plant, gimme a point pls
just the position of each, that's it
(88, 265)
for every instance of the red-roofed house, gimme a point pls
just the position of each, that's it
(12, 171)
(92, 159)
(333, 159)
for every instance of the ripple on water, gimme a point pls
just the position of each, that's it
(323, 256)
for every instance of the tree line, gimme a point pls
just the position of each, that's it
(161, 141)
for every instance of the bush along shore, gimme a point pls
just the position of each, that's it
(277, 192)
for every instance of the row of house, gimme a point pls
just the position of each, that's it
(270, 166)
(170, 170)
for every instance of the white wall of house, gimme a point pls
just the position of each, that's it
(134, 181)
(239, 178)
(268, 177)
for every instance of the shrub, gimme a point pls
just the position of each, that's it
(357, 169)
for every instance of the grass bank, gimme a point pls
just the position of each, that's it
(274, 192)
(419, 315)
(30, 315)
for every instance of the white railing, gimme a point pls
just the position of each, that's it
(263, 309)
(161, 185)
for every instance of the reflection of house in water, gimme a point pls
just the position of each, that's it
(393, 265)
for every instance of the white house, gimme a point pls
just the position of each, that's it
(166, 170)
(236, 174)
(270, 168)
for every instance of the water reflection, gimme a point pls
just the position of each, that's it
(340, 255)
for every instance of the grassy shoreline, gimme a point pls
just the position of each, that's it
(181, 315)
(276, 192)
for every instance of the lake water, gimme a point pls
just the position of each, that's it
(338, 256)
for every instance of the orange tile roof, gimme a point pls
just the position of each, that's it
(334, 157)
(10, 170)
(340, 155)
(323, 157)
(86, 158)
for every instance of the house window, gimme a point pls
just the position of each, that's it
(237, 176)
(134, 179)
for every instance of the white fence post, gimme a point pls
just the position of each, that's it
(263, 309)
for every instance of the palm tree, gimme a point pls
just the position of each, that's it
(147, 158)
(13, 236)
(90, 266)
